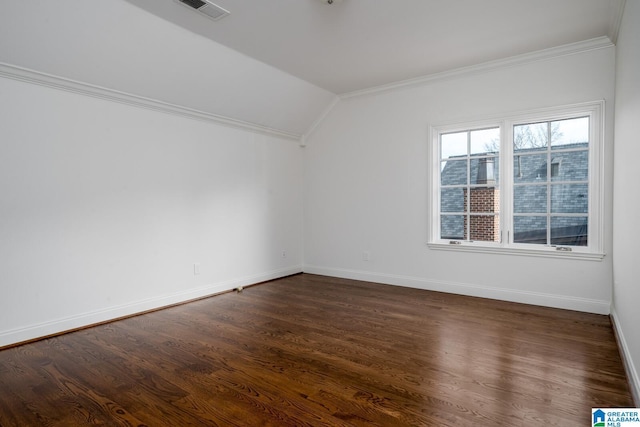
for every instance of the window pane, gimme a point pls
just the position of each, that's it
(485, 228)
(530, 168)
(530, 199)
(453, 144)
(485, 171)
(570, 231)
(568, 133)
(526, 137)
(570, 198)
(570, 166)
(452, 200)
(485, 141)
(454, 172)
(452, 227)
(530, 229)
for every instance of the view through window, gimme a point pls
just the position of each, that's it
(524, 182)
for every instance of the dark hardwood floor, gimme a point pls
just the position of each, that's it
(316, 351)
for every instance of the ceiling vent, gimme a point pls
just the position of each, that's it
(205, 7)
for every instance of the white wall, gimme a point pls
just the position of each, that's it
(366, 184)
(105, 207)
(626, 231)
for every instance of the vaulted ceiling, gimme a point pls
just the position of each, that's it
(356, 44)
(279, 64)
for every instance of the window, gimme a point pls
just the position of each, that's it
(469, 191)
(528, 183)
(555, 167)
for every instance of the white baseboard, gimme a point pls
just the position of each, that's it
(629, 366)
(59, 326)
(535, 298)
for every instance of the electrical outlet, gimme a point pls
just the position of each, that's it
(284, 254)
(366, 256)
(196, 269)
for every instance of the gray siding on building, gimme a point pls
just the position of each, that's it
(568, 164)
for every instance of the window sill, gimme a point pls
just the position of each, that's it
(530, 252)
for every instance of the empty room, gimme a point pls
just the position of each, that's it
(319, 213)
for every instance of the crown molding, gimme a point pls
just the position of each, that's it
(68, 85)
(540, 55)
(304, 138)
(616, 20)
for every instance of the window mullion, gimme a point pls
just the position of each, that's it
(548, 183)
(468, 189)
(506, 182)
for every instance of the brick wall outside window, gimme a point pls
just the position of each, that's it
(483, 227)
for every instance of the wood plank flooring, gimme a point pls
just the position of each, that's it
(316, 351)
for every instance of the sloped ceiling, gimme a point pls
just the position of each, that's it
(115, 45)
(280, 63)
(357, 44)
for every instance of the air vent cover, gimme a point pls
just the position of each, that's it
(205, 7)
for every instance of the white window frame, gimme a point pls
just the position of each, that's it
(595, 240)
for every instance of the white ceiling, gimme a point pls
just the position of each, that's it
(358, 44)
